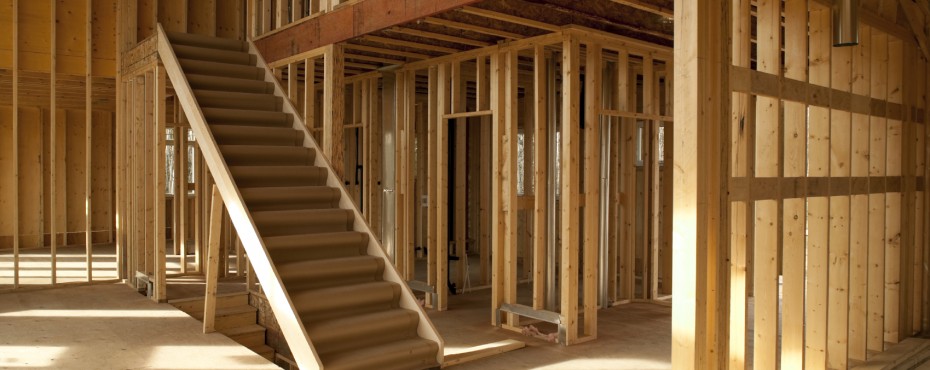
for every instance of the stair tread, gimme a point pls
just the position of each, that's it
(365, 330)
(417, 352)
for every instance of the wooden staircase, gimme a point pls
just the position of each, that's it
(235, 318)
(336, 296)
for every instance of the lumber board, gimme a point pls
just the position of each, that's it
(570, 140)
(592, 186)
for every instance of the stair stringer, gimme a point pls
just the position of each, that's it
(286, 314)
(425, 328)
(291, 326)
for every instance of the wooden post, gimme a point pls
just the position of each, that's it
(374, 164)
(14, 158)
(508, 164)
(625, 99)
(53, 120)
(433, 122)
(181, 193)
(158, 190)
(794, 215)
(483, 90)
(592, 185)
(701, 111)
(310, 93)
(458, 105)
(442, 185)
(213, 258)
(570, 140)
(334, 107)
(88, 120)
(498, 280)
(540, 178)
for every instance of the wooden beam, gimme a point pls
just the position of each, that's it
(647, 7)
(443, 106)
(361, 18)
(375, 49)
(497, 16)
(438, 36)
(213, 251)
(409, 44)
(918, 24)
(473, 28)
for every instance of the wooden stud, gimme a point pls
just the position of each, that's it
(793, 210)
(508, 163)
(443, 106)
(570, 186)
(375, 153)
(53, 120)
(158, 190)
(461, 140)
(540, 178)
(213, 251)
(701, 105)
(483, 102)
(334, 107)
(88, 138)
(592, 185)
(498, 280)
(816, 304)
(625, 97)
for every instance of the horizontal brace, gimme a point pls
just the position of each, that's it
(642, 116)
(745, 80)
(773, 188)
(468, 114)
(530, 312)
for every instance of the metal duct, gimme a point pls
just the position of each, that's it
(846, 22)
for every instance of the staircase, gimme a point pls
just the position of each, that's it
(235, 318)
(336, 296)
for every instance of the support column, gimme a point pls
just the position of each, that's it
(701, 111)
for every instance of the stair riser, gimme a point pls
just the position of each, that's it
(230, 84)
(324, 306)
(257, 177)
(250, 340)
(222, 69)
(234, 320)
(196, 306)
(257, 118)
(236, 102)
(213, 55)
(268, 138)
(268, 159)
(189, 39)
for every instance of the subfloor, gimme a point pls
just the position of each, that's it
(632, 336)
(109, 326)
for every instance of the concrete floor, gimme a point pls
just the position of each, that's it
(633, 336)
(109, 327)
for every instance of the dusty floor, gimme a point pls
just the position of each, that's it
(109, 327)
(633, 336)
